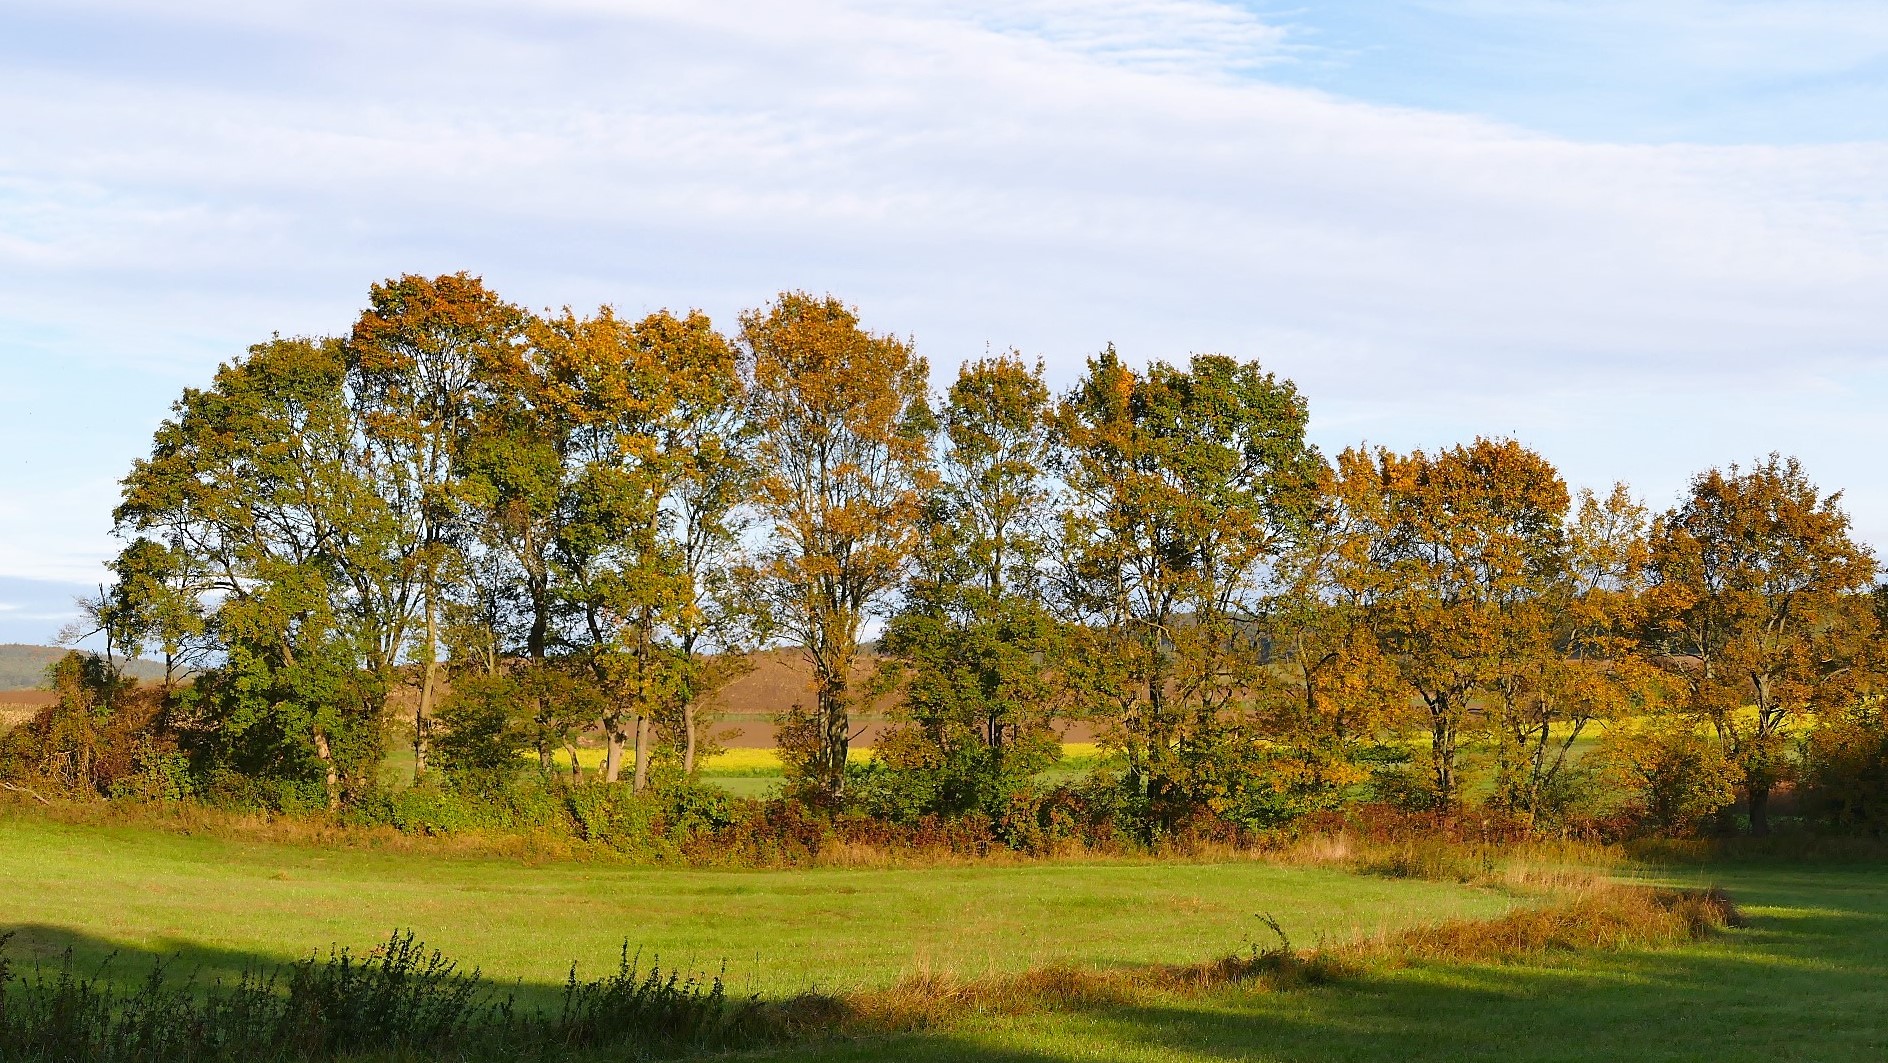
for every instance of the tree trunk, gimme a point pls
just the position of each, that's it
(1442, 752)
(1760, 808)
(642, 753)
(613, 753)
(326, 752)
(540, 620)
(429, 678)
(835, 732)
(688, 739)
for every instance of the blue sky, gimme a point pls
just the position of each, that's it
(1642, 237)
(1647, 71)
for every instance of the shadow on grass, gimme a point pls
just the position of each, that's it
(122, 968)
(1807, 979)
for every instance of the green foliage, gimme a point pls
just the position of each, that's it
(158, 773)
(1267, 785)
(290, 700)
(527, 804)
(919, 771)
(1845, 776)
(1182, 483)
(484, 735)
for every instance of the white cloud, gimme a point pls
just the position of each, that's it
(1053, 174)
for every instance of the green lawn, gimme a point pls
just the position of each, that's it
(1807, 980)
(227, 903)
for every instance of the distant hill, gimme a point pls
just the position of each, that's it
(23, 667)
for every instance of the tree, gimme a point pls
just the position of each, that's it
(1453, 556)
(157, 602)
(621, 573)
(1572, 657)
(416, 361)
(264, 491)
(1758, 611)
(974, 639)
(1329, 693)
(1182, 483)
(844, 455)
(515, 467)
(708, 435)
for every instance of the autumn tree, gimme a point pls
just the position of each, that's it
(415, 359)
(1758, 611)
(1181, 483)
(620, 573)
(1573, 657)
(1453, 555)
(707, 511)
(844, 458)
(514, 464)
(974, 641)
(1330, 696)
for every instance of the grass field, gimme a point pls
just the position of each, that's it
(224, 903)
(1806, 980)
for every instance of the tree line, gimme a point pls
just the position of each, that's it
(487, 532)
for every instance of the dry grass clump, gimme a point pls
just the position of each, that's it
(1610, 916)
(1534, 867)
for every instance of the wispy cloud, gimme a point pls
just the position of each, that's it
(1054, 174)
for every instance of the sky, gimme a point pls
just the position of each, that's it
(1644, 238)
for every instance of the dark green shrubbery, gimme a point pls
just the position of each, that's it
(400, 1000)
(1845, 770)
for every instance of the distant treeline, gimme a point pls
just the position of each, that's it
(485, 532)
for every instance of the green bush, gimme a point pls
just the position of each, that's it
(229, 789)
(1845, 770)
(159, 773)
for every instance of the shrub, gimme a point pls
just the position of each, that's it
(159, 773)
(481, 740)
(1672, 776)
(234, 791)
(103, 730)
(1281, 784)
(1845, 762)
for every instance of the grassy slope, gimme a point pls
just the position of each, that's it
(228, 903)
(1807, 980)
